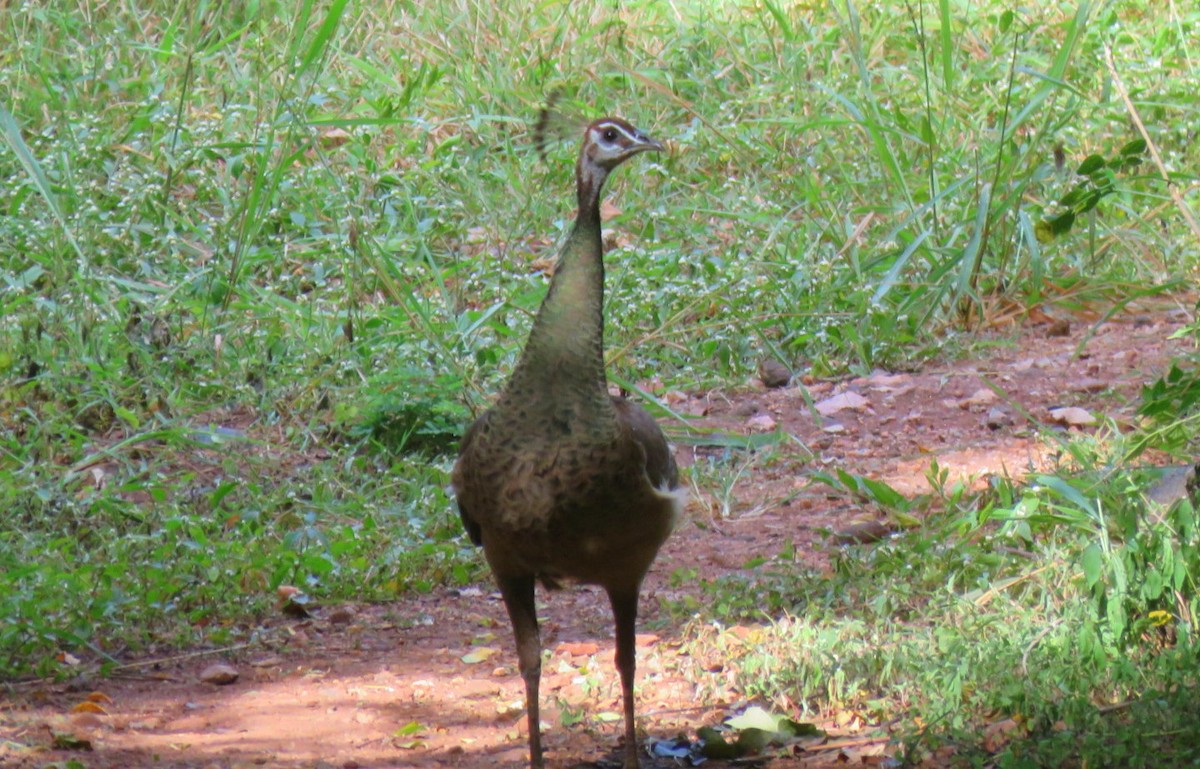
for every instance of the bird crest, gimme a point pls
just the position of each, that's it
(557, 123)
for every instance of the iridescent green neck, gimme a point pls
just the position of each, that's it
(562, 365)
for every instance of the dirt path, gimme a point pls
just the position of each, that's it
(340, 688)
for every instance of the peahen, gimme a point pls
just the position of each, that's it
(560, 481)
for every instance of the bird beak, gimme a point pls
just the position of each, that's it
(646, 144)
(650, 145)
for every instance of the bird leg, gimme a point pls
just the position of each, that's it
(522, 612)
(624, 606)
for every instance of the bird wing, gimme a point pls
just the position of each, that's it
(458, 479)
(637, 424)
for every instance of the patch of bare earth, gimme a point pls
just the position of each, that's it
(430, 680)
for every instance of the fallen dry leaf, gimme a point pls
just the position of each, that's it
(577, 649)
(88, 706)
(479, 654)
(608, 211)
(334, 137)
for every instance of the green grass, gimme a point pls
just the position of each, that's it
(260, 261)
(1066, 608)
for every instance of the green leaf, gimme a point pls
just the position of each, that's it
(1135, 147)
(1092, 561)
(1061, 224)
(1152, 584)
(715, 745)
(753, 741)
(1074, 196)
(757, 718)
(1068, 492)
(320, 41)
(412, 727)
(885, 494)
(1090, 165)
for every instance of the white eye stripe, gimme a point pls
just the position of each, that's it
(609, 126)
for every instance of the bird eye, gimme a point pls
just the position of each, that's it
(610, 135)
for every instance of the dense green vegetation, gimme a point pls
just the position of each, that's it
(260, 261)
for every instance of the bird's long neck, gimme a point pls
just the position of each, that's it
(562, 367)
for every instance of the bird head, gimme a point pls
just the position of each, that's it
(607, 142)
(610, 141)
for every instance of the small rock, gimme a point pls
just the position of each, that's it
(773, 373)
(341, 616)
(884, 380)
(674, 397)
(847, 400)
(219, 673)
(981, 397)
(761, 423)
(1072, 416)
(896, 392)
(998, 418)
(747, 409)
(1173, 484)
(1060, 327)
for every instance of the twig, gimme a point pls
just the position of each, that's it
(1176, 196)
(991, 593)
(147, 663)
(848, 742)
(178, 657)
(1106, 709)
(1033, 644)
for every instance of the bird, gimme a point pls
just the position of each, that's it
(560, 482)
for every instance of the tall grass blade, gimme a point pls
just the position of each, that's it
(324, 34)
(11, 132)
(947, 42)
(893, 274)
